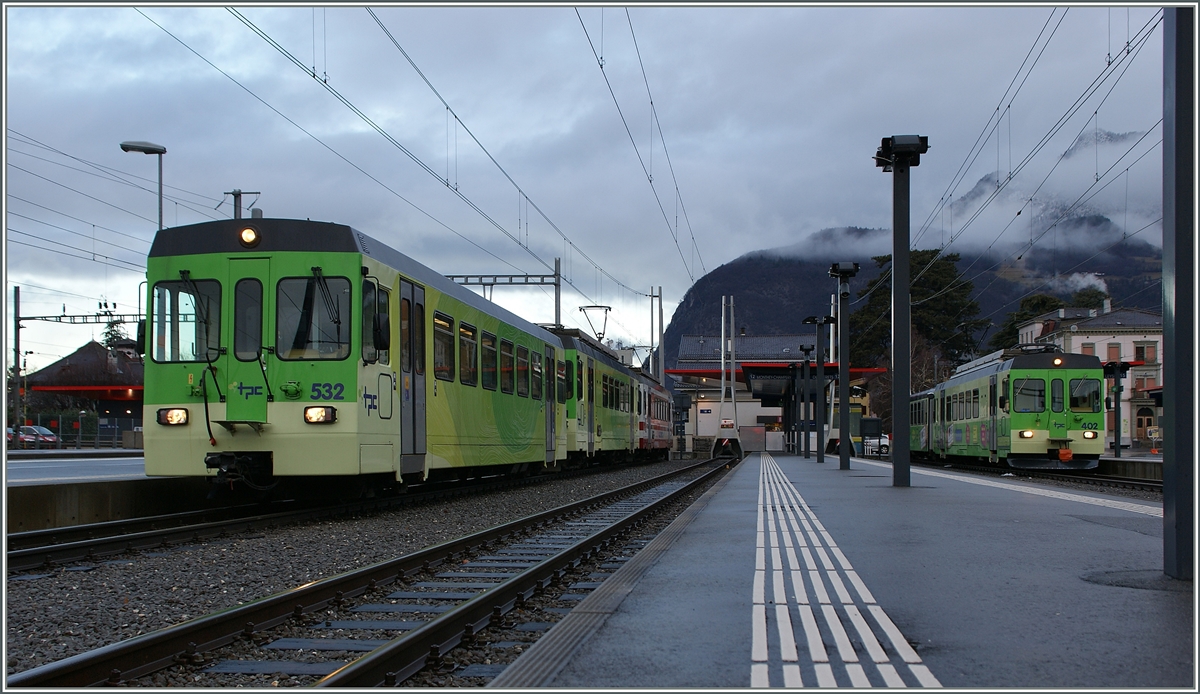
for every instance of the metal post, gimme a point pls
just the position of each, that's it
(653, 368)
(558, 292)
(843, 272)
(733, 367)
(805, 390)
(819, 399)
(18, 399)
(160, 192)
(721, 406)
(662, 363)
(1179, 286)
(901, 324)
(1117, 390)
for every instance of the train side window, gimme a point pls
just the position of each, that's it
(1004, 395)
(522, 371)
(579, 380)
(975, 403)
(443, 347)
(384, 308)
(535, 377)
(419, 338)
(591, 384)
(1029, 395)
(489, 361)
(565, 380)
(1085, 395)
(507, 370)
(1056, 395)
(247, 319)
(369, 302)
(467, 353)
(405, 335)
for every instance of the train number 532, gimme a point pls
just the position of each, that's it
(327, 391)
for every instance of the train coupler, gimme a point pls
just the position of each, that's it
(1065, 455)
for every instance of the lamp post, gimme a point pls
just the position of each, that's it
(805, 375)
(843, 272)
(150, 148)
(896, 155)
(820, 322)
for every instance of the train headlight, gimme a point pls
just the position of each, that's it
(171, 416)
(1058, 361)
(1089, 434)
(1027, 434)
(320, 415)
(249, 237)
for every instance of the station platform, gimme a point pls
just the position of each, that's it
(790, 573)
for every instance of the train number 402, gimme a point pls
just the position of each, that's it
(327, 391)
(1090, 425)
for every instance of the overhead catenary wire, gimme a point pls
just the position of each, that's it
(523, 195)
(326, 145)
(1141, 38)
(641, 161)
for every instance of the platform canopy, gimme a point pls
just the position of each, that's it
(764, 364)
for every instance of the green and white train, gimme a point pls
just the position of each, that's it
(310, 352)
(1031, 406)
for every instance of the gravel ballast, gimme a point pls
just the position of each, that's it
(83, 606)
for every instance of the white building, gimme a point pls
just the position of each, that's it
(1129, 335)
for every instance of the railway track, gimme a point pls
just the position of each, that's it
(55, 546)
(429, 601)
(1080, 477)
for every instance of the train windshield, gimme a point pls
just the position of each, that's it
(187, 320)
(1085, 395)
(1029, 395)
(312, 318)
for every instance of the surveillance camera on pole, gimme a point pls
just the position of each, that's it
(896, 154)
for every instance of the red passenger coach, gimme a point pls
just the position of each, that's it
(654, 419)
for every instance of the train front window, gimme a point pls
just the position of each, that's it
(312, 318)
(1085, 395)
(186, 317)
(1029, 395)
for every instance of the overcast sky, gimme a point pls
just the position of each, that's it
(770, 116)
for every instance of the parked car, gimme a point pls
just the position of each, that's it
(38, 434)
(24, 436)
(877, 446)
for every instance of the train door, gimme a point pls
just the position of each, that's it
(248, 390)
(412, 377)
(376, 352)
(551, 402)
(939, 429)
(591, 406)
(991, 433)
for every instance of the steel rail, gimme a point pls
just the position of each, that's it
(142, 655)
(405, 655)
(51, 546)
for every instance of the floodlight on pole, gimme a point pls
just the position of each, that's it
(843, 272)
(150, 148)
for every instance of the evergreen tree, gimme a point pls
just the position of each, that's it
(114, 332)
(1031, 307)
(1089, 297)
(942, 310)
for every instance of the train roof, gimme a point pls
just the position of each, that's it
(574, 338)
(278, 235)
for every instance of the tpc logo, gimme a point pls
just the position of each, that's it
(249, 391)
(370, 401)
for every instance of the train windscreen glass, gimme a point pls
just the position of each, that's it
(312, 318)
(186, 320)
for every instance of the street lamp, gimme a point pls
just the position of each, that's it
(149, 148)
(805, 377)
(843, 272)
(820, 322)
